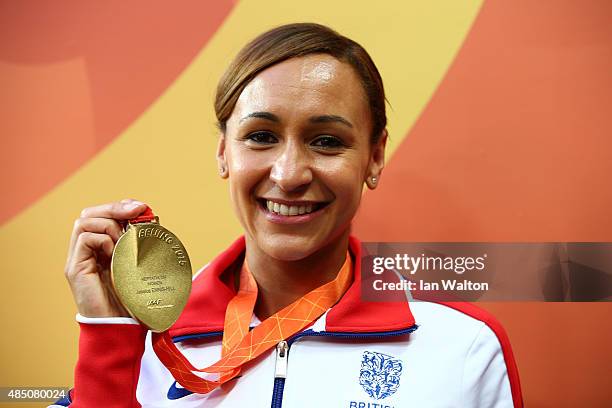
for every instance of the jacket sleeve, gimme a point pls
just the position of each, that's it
(108, 366)
(489, 378)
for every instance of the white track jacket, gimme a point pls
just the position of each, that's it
(357, 355)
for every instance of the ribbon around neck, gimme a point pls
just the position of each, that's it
(240, 345)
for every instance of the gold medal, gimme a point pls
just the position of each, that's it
(151, 274)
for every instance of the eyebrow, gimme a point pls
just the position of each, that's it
(330, 119)
(314, 119)
(261, 115)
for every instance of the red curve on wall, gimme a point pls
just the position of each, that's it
(75, 75)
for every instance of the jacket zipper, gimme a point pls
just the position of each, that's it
(280, 373)
(282, 353)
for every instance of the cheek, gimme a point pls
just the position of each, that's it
(353, 192)
(246, 171)
(241, 161)
(345, 180)
(348, 200)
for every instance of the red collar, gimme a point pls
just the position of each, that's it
(205, 310)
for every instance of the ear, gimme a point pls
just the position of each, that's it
(377, 161)
(221, 161)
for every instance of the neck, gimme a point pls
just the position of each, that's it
(281, 283)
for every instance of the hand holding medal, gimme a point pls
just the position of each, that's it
(151, 271)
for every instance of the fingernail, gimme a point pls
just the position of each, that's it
(133, 205)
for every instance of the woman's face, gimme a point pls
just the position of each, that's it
(297, 151)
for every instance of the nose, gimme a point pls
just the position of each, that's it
(291, 170)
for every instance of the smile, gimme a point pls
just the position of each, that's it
(295, 210)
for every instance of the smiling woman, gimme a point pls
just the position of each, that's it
(297, 150)
(277, 319)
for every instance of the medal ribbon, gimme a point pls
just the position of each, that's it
(146, 216)
(241, 345)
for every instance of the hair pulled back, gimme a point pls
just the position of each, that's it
(297, 40)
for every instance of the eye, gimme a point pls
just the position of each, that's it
(261, 138)
(327, 142)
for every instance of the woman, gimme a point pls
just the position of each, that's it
(301, 114)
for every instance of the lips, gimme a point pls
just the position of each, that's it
(291, 208)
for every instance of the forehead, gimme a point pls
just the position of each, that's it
(316, 84)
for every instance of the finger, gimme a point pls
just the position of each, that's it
(87, 248)
(98, 225)
(123, 210)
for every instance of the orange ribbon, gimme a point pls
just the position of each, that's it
(241, 345)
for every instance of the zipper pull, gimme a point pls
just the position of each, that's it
(282, 349)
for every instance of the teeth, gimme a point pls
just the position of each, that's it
(284, 210)
(288, 210)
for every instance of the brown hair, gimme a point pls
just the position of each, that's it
(295, 40)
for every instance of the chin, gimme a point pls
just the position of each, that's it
(289, 248)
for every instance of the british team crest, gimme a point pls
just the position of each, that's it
(380, 374)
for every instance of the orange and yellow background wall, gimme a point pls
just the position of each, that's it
(500, 131)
